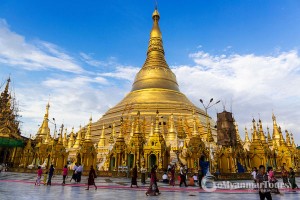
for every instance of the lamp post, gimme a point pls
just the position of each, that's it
(206, 107)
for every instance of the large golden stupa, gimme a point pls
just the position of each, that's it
(154, 124)
(155, 88)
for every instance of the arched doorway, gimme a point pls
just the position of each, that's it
(112, 163)
(152, 160)
(130, 160)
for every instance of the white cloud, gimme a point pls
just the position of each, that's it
(252, 84)
(122, 72)
(16, 51)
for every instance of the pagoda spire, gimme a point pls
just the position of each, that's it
(261, 132)
(155, 72)
(269, 138)
(247, 140)
(102, 137)
(152, 128)
(255, 135)
(71, 139)
(65, 140)
(121, 129)
(132, 128)
(78, 138)
(88, 133)
(276, 134)
(137, 124)
(157, 129)
(288, 139)
(195, 128)
(44, 129)
(293, 142)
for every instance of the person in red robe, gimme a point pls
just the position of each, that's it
(91, 179)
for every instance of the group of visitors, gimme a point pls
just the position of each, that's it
(266, 180)
(77, 172)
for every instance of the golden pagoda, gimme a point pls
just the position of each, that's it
(156, 124)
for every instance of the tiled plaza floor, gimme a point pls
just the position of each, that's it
(19, 186)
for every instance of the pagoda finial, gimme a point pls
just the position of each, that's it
(121, 128)
(255, 135)
(293, 142)
(288, 139)
(261, 132)
(157, 129)
(152, 128)
(137, 123)
(269, 137)
(195, 128)
(78, 138)
(88, 133)
(71, 139)
(65, 140)
(102, 137)
(171, 124)
(246, 136)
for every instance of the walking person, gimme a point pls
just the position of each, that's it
(292, 178)
(134, 175)
(79, 173)
(91, 179)
(284, 176)
(273, 180)
(182, 176)
(50, 174)
(253, 174)
(65, 173)
(39, 176)
(153, 189)
(263, 184)
(172, 177)
(74, 175)
(200, 176)
(143, 175)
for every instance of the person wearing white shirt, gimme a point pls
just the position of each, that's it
(79, 172)
(165, 178)
(74, 176)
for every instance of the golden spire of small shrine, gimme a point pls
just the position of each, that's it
(269, 138)
(288, 139)
(255, 136)
(246, 136)
(157, 129)
(261, 133)
(102, 137)
(71, 139)
(195, 128)
(78, 138)
(88, 132)
(65, 140)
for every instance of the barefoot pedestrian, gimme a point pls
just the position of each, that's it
(134, 175)
(39, 176)
(91, 179)
(65, 173)
(74, 175)
(50, 174)
(292, 178)
(263, 184)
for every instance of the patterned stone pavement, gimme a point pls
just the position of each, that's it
(19, 186)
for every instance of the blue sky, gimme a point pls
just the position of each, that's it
(78, 51)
